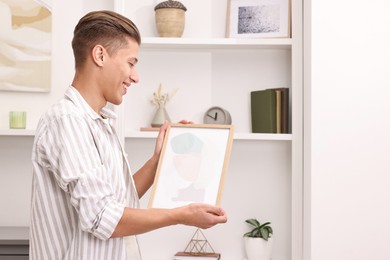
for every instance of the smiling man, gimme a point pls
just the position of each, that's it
(85, 201)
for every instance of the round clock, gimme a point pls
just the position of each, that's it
(217, 115)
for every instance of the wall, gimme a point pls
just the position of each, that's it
(347, 130)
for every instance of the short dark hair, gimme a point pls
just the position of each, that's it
(107, 28)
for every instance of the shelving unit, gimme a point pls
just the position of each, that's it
(205, 77)
(209, 70)
(265, 173)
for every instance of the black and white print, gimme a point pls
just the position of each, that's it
(258, 19)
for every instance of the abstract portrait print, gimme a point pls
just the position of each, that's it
(187, 161)
(192, 167)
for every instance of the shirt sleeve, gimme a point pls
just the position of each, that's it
(72, 156)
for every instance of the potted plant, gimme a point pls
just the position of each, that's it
(258, 241)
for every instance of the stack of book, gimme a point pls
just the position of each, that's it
(200, 256)
(270, 111)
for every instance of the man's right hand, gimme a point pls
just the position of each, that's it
(201, 215)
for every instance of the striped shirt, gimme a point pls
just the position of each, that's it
(81, 184)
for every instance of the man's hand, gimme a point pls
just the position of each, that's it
(201, 215)
(160, 140)
(185, 122)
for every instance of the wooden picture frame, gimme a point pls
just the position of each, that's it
(192, 166)
(258, 19)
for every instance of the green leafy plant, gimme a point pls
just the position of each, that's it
(260, 230)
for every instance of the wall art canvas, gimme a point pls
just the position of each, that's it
(258, 19)
(192, 166)
(25, 45)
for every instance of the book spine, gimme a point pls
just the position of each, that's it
(278, 96)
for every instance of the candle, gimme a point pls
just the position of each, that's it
(17, 119)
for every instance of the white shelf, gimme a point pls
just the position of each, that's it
(215, 43)
(17, 132)
(237, 136)
(263, 137)
(141, 135)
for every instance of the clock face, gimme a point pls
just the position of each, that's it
(217, 115)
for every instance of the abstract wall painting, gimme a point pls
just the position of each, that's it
(192, 166)
(25, 45)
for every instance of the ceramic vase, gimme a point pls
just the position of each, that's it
(160, 117)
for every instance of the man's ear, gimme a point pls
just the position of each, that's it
(98, 55)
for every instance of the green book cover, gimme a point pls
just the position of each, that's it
(263, 111)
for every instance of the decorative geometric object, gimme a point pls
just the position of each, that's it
(199, 244)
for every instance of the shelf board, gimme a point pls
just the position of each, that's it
(263, 137)
(215, 43)
(14, 235)
(153, 134)
(237, 136)
(17, 132)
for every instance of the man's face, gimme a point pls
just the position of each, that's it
(119, 72)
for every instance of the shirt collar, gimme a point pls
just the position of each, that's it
(73, 95)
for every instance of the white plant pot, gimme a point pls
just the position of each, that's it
(257, 248)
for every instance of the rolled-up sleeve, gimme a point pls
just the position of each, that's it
(94, 199)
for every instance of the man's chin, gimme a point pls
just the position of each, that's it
(116, 102)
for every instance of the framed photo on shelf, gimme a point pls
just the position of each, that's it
(258, 19)
(192, 165)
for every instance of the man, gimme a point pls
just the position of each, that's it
(84, 198)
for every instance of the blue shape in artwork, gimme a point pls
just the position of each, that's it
(186, 143)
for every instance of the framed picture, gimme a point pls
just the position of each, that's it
(26, 45)
(258, 19)
(192, 166)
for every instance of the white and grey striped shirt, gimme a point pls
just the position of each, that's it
(81, 184)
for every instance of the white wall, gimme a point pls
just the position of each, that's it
(347, 130)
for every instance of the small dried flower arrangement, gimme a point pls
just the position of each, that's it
(160, 99)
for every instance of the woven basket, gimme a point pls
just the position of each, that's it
(170, 19)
